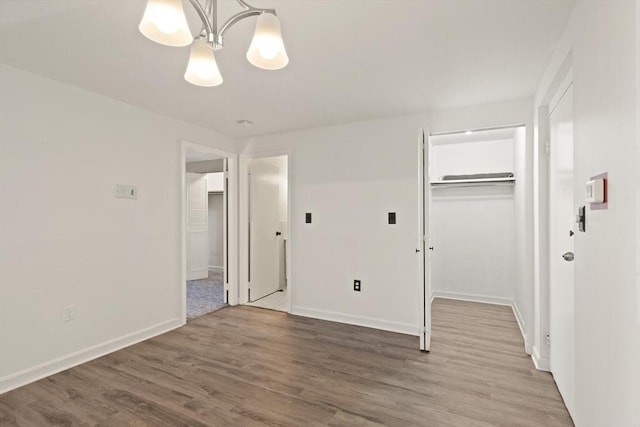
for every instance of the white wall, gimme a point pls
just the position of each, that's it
(216, 230)
(473, 227)
(349, 177)
(215, 181)
(601, 41)
(67, 241)
(463, 158)
(473, 231)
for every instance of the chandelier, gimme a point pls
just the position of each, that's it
(164, 22)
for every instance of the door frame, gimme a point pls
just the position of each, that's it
(231, 272)
(243, 246)
(541, 213)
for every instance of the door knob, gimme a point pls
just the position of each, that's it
(430, 248)
(568, 256)
(278, 233)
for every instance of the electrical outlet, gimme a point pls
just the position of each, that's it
(357, 285)
(68, 313)
(548, 339)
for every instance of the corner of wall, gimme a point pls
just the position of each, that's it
(541, 363)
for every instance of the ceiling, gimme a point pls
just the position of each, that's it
(349, 59)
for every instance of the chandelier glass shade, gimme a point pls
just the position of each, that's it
(267, 48)
(202, 69)
(164, 22)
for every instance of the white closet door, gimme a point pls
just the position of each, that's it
(197, 227)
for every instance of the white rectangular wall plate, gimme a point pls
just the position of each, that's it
(595, 191)
(126, 191)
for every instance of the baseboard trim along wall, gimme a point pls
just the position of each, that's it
(65, 362)
(541, 363)
(385, 325)
(473, 298)
(520, 320)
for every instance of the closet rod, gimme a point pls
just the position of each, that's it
(473, 183)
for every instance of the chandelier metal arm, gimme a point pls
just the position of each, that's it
(241, 15)
(209, 19)
(208, 25)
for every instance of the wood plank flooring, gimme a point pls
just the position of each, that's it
(247, 366)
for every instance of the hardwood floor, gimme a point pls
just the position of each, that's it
(249, 366)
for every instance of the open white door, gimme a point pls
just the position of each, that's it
(423, 250)
(197, 227)
(562, 228)
(264, 229)
(225, 228)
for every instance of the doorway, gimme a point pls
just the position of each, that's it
(267, 239)
(561, 231)
(475, 201)
(208, 188)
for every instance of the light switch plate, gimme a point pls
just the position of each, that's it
(126, 191)
(595, 191)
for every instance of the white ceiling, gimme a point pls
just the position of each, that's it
(349, 59)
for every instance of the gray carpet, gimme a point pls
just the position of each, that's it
(205, 295)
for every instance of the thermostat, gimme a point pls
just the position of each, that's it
(595, 191)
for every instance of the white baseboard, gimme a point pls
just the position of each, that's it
(65, 362)
(198, 274)
(520, 320)
(215, 267)
(472, 298)
(369, 322)
(541, 363)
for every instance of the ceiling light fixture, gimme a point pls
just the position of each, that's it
(164, 22)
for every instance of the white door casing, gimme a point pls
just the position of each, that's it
(424, 237)
(562, 212)
(264, 223)
(197, 227)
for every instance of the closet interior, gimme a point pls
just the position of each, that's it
(478, 215)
